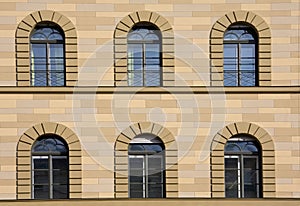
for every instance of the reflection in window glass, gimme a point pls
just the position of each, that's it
(240, 56)
(50, 168)
(47, 56)
(242, 168)
(144, 55)
(146, 170)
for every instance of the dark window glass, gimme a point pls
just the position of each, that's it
(47, 56)
(50, 168)
(144, 55)
(240, 56)
(242, 168)
(146, 170)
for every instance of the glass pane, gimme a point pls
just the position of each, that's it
(152, 50)
(230, 78)
(38, 50)
(56, 50)
(152, 79)
(41, 177)
(41, 192)
(154, 163)
(231, 177)
(136, 162)
(60, 192)
(135, 51)
(41, 163)
(230, 51)
(49, 144)
(60, 176)
(232, 147)
(230, 35)
(57, 79)
(135, 79)
(247, 50)
(153, 147)
(247, 78)
(155, 190)
(136, 147)
(38, 79)
(136, 191)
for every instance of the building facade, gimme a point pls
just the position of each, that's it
(150, 99)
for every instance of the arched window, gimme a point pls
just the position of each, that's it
(50, 168)
(146, 167)
(240, 56)
(47, 55)
(144, 55)
(243, 168)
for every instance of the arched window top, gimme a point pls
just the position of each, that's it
(50, 144)
(242, 144)
(146, 143)
(144, 31)
(240, 32)
(47, 31)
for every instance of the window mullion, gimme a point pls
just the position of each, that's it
(47, 64)
(145, 171)
(50, 177)
(242, 175)
(144, 64)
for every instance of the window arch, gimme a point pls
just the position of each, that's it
(50, 168)
(222, 62)
(144, 55)
(25, 30)
(240, 56)
(47, 54)
(257, 144)
(146, 154)
(156, 143)
(34, 145)
(159, 66)
(242, 164)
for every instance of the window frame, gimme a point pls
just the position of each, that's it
(145, 156)
(151, 27)
(238, 44)
(50, 156)
(240, 156)
(47, 44)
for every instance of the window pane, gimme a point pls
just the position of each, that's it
(135, 79)
(136, 179)
(60, 192)
(136, 191)
(230, 51)
(38, 50)
(152, 79)
(155, 190)
(152, 50)
(41, 177)
(135, 51)
(230, 78)
(41, 192)
(41, 163)
(231, 177)
(250, 177)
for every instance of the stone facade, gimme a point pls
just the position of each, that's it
(191, 113)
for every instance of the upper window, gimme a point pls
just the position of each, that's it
(144, 55)
(47, 55)
(50, 168)
(242, 168)
(146, 167)
(240, 56)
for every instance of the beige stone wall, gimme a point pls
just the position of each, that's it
(193, 119)
(193, 115)
(95, 22)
